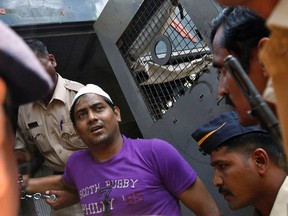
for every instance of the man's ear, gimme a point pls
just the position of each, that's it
(261, 160)
(117, 113)
(262, 42)
(260, 46)
(52, 59)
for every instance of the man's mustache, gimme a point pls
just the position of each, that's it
(224, 191)
(228, 101)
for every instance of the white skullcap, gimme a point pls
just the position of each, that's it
(90, 88)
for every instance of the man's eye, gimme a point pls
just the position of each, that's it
(81, 115)
(99, 107)
(219, 74)
(222, 166)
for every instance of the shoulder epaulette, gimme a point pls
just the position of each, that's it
(72, 85)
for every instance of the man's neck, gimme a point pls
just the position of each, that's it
(49, 96)
(106, 151)
(265, 205)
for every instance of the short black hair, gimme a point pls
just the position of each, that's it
(247, 143)
(243, 29)
(37, 46)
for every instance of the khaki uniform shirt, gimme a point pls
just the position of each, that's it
(280, 207)
(275, 58)
(50, 128)
(279, 15)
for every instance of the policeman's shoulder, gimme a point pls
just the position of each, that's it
(73, 85)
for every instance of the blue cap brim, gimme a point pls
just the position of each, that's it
(221, 129)
(19, 67)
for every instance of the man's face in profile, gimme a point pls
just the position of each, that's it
(235, 177)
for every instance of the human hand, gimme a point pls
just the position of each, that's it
(64, 198)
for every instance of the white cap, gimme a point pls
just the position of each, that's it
(90, 88)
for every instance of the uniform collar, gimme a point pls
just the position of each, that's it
(278, 16)
(60, 90)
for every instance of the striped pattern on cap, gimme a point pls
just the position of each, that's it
(221, 129)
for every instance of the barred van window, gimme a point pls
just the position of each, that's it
(165, 53)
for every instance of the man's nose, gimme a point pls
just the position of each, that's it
(217, 180)
(222, 86)
(92, 115)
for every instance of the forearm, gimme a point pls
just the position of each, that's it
(66, 196)
(43, 184)
(193, 198)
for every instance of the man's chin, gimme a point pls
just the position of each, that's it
(235, 206)
(249, 122)
(246, 119)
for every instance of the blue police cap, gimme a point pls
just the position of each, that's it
(221, 129)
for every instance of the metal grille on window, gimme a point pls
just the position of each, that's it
(164, 52)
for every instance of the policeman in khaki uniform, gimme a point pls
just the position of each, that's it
(46, 125)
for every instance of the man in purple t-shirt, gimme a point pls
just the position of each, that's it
(142, 177)
(122, 176)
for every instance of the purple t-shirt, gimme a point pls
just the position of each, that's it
(142, 179)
